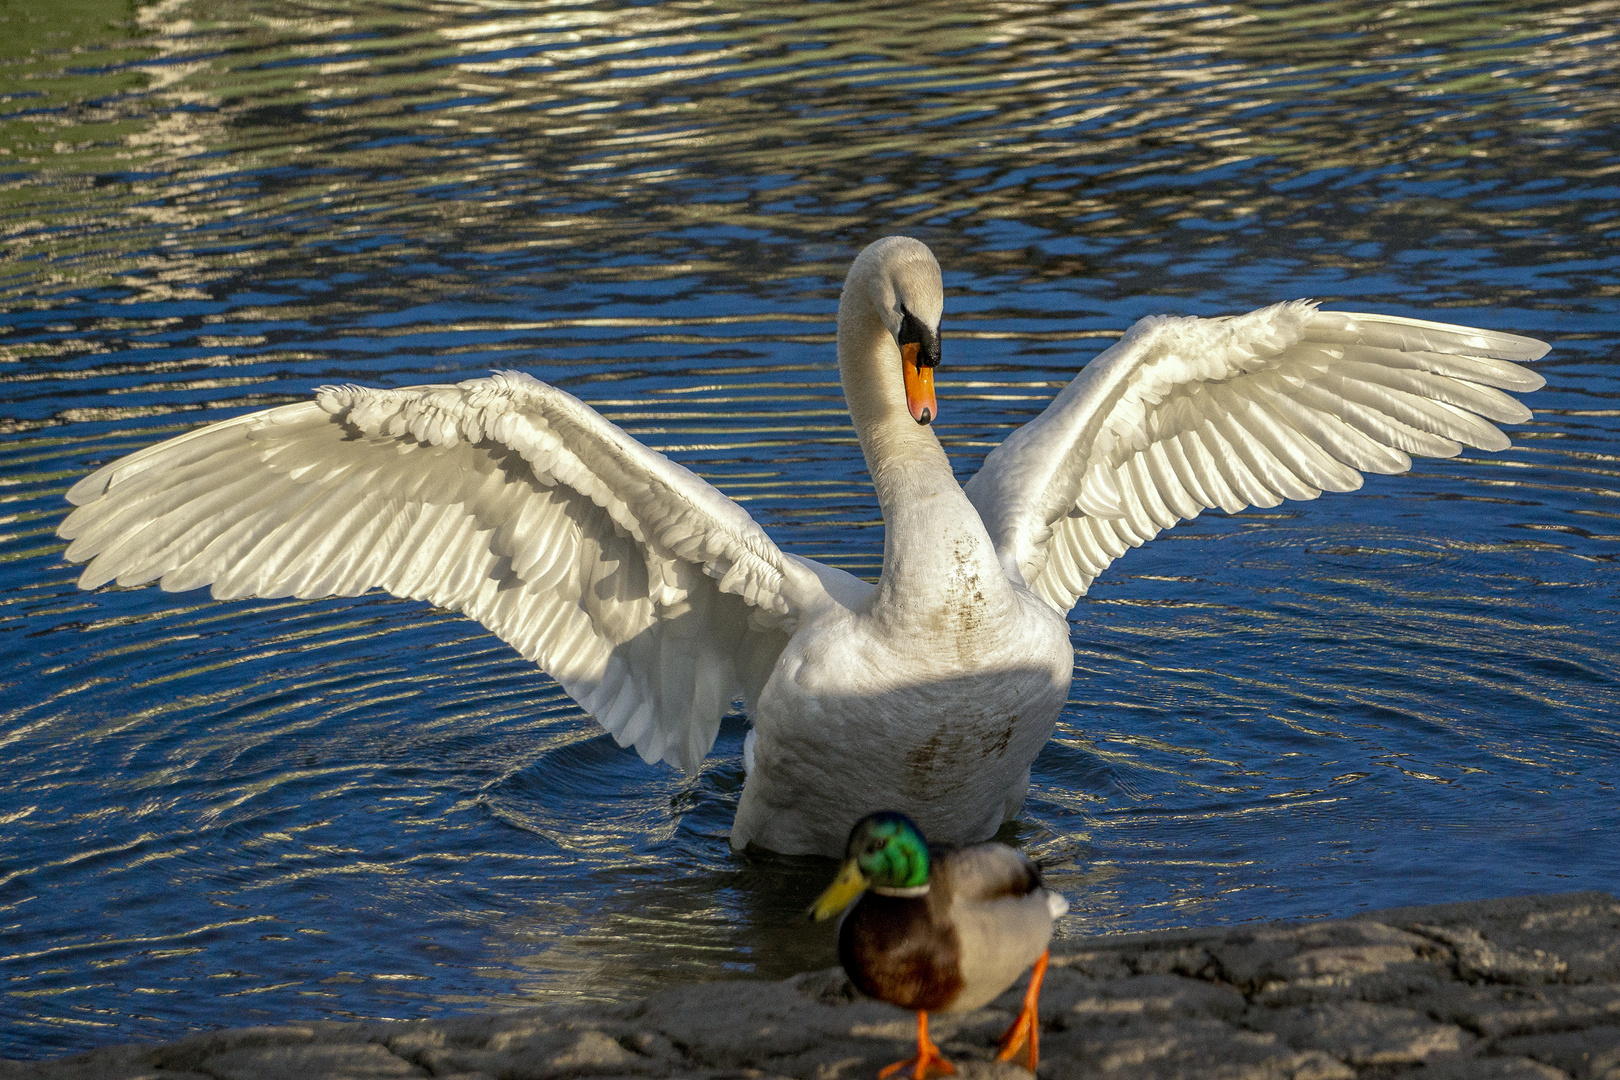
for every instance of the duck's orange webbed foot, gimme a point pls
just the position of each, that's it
(928, 1057)
(1026, 1030)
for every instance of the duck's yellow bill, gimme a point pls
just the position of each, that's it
(919, 385)
(849, 884)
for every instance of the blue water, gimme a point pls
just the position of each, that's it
(269, 811)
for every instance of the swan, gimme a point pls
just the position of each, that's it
(656, 602)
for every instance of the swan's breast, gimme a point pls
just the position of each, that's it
(856, 719)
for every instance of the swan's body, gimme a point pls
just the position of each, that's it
(655, 601)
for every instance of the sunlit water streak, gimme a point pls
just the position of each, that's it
(275, 810)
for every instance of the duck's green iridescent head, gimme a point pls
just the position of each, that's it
(890, 850)
(886, 852)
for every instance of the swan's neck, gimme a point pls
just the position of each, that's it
(940, 571)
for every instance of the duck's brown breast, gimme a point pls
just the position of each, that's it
(895, 950)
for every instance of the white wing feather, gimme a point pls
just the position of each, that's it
(1185, 414)
(647, 594)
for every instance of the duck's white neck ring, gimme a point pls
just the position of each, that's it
(911, 891)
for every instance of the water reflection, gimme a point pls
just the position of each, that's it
(271, 810)
(451, 137)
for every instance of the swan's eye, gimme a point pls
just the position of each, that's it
(914, 332)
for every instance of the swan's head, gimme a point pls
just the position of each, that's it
(900, 280)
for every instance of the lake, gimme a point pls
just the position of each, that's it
(270, 811)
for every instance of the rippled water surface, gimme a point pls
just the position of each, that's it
(234, 813)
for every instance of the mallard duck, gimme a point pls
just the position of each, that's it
(941, 929)
(656, 602)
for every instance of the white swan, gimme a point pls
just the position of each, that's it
(655, 601)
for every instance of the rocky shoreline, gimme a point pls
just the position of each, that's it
(1526, 988)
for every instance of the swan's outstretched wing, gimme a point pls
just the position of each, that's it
(650, 596)
(1184, 414)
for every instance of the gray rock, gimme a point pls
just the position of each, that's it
(1364, 1034)
(1364, 960)
(1496, 1012)
(310, 1061)
(744, 1025)
(535, 1044)
(1207, 1049)
(1498, 1068)
(1593, 1054)
(1481, 960)
(1069, 999)
(1526, 988)
(1580, 930)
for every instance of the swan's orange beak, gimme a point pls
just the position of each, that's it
(919, 385)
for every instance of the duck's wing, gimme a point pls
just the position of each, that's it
(1002, 914)
(980, 873)
(647, 594)
(1185, 414)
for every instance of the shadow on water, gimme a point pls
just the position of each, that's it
(266, 811)
(670, 911)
